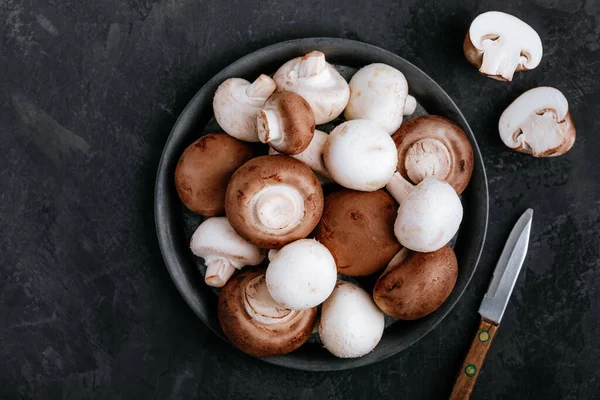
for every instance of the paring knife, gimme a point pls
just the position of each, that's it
(493, 304)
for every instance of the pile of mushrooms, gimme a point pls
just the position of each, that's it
(378, 196)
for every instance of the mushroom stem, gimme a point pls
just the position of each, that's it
(399, 187)
(311, 64)
(278, 208)
(272, 253)
(260, 305)
(427, 157)
(398, 258)
(218, 271)
(500, 59)
(262, 87)
(410, 106)
(269, 128)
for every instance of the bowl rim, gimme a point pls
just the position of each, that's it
(161, 190)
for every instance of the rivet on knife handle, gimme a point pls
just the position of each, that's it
(472, 366)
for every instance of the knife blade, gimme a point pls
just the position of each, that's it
(507, 270)
(494, 304)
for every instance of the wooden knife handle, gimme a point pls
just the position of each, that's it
(474, 361)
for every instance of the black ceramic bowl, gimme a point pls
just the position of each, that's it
(174, 224)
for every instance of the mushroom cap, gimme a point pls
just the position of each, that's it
(360, 155)
(216, 237)
(204, 169)
(500, 44)
(378, 93)
(301, 275)
(351, 324)
(259, 333)
(318, 82)
(429, 217)
(432, 145)
(236, 104)
(417, 284)
(313, 154)
(358, 230)
(286, 122)
(538, 123)
(274, 200)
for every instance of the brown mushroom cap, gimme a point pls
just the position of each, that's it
(358, 229)
(254, 337)
(291, 117)
(417, 285)
(204, 169)
(274, 200)
(432, 145)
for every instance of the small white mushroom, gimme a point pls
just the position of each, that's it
(500, 44)
(379, 93)
(318, 82)
(236, 105)
(313, 155)
(351, 324)
(223, 250)
(538, 123)
(360, 155)
(429, 215)
(301, 275)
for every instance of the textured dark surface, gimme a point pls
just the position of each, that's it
(88, 94)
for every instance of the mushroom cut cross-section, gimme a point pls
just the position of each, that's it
(430, 145)
(538, 123)
(274, 200)
(255, 323)
(236, 104)
(500, 44)
(318, 82)
(204, 169)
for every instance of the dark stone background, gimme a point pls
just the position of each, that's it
(88, 93)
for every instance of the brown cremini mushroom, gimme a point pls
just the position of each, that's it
(274, 200)
(255, 323)
(358, 229)
(416, 284)
(431, 145)
(204, 169)
(286, 122)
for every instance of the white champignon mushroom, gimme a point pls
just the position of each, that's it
(223, 250)
(429, 215)
(538, 123)
(301, 274)
(360, 155)
(313, 155)
(379, 93)
(500, 44)
(236, 105)
(351, 324)
(318, 82)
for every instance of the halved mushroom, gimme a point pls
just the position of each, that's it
(318, 82)
(379, 93)
(360, 155)
(416, 284)
(500, 44)
(358, 230)
(274, 200)
(255, 323)
(429, 215)
(204, 169)
(351, 324)
(301, 275)
(538, 123)
(236, 104)
(313, 155)
(223, 250)
(430, 145)
(286, 122)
